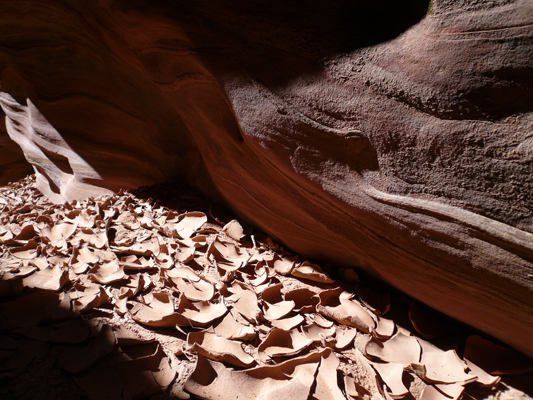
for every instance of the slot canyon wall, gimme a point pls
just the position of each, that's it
(363, 133)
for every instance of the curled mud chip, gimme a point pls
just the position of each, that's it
(157, 310)
(277, 310)
(136, 284)
(185, 225)
(350, 386)
(134, 264)
(391, 374)
(87, 297)
(107, 271)
(27, 252)
(26, 233)
(280, 343)
(260, 275)
(454, 390)
(219, 348)
(199, 313)
(483, 377)
(96, 238)
(58, 232)
(234, 230)
(317, 333)
(148, 247)
(247, 305)
(231, 329)
(338, 304)
(6, 236)
(319, 320)
(433, 393)
(305, 300)
(400, 349)
(163, 260)
(82, 259)
(40, 262)
(292, 379)
(82, 218)
(384, 329)
(327, 387)
(51, 278)
(288, 323)
(17, 272)
(272, 294)
(193, 286)
(184, 253)
(228, 256)
(344, 337)
(443, 366)
(312, 272)
(129, 221)
(282, 266)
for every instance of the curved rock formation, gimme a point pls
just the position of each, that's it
(334, 126)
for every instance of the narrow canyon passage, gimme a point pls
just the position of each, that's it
(159, 294)
(392, 138)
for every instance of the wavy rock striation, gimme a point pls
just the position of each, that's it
(360, 132)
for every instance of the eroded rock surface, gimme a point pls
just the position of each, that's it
(337, 127)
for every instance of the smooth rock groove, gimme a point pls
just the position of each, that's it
(365, 133)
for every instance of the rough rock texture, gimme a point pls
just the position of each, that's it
(126, 297)
(337, 127)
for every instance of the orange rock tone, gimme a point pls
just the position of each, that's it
(360, 132)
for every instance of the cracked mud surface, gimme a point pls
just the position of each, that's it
(158, 294)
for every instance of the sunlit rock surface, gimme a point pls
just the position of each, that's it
(362, 133)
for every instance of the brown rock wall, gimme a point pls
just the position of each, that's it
(407, 154)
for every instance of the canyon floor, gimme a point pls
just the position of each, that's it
(157, 294)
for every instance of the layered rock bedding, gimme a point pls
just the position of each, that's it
(369, 134)
(157, 294)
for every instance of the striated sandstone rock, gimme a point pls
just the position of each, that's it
(334, 126)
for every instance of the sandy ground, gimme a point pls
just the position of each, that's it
(158, 294)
